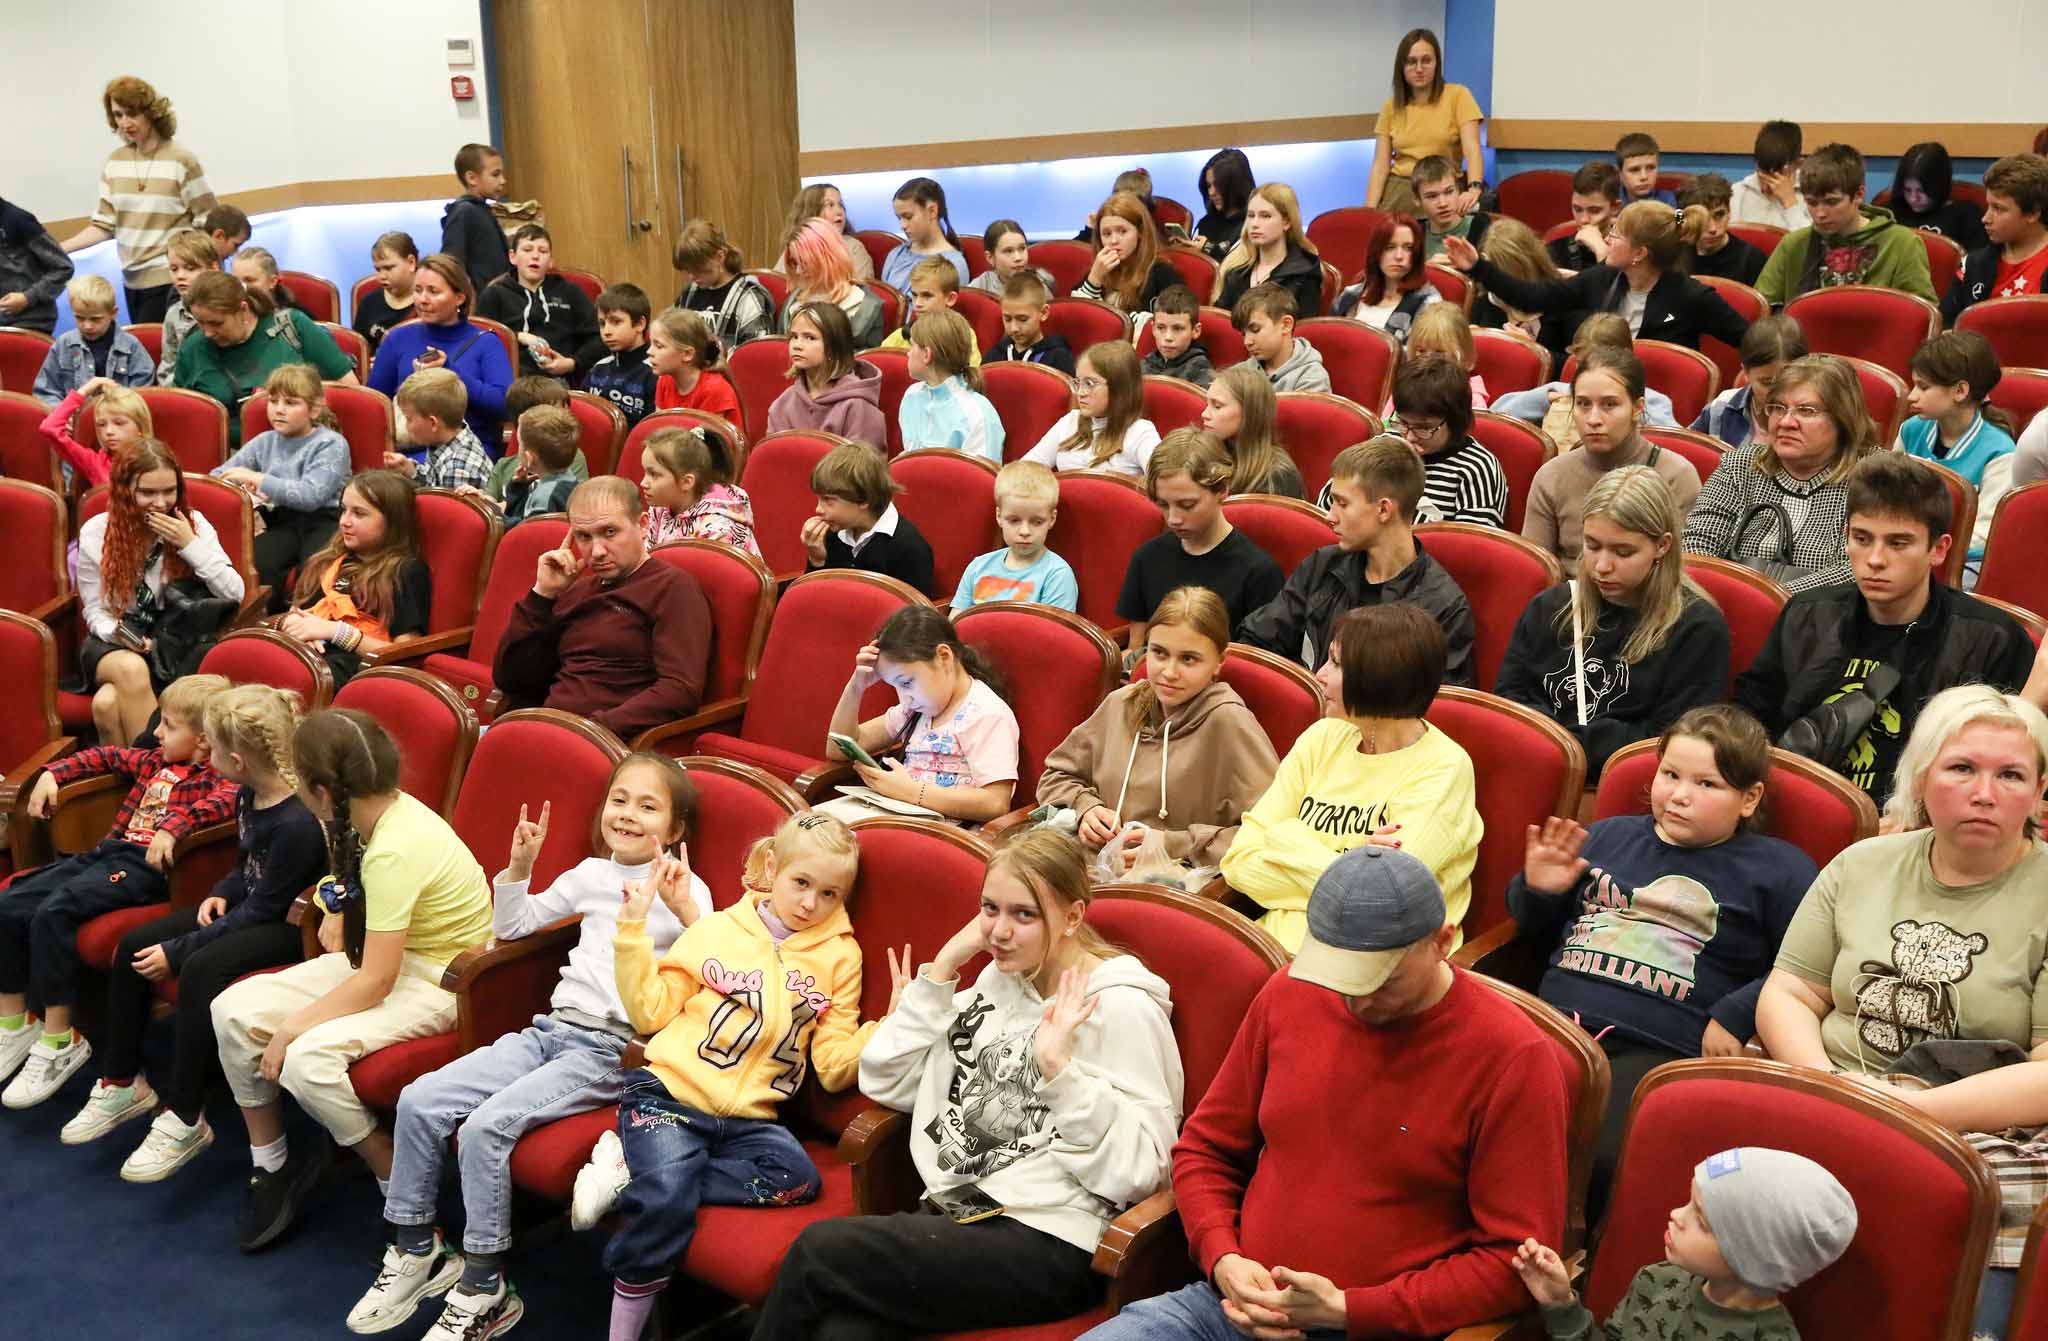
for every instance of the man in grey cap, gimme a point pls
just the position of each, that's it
(1383, 1135)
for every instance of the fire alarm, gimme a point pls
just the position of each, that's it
(462, 87)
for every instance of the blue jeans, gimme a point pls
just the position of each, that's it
(1191, 1313)
(681, 1159)
(494, 1095)
(1995, 1298)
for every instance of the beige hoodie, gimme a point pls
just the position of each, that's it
(1216, 751)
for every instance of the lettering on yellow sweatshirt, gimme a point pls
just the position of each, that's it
(737, 1020)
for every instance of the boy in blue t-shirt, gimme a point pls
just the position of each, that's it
(1027, 504)
(1953, 373)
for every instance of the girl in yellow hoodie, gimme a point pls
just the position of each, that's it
(747, 1000)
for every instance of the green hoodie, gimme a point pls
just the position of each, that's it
(1883, 253)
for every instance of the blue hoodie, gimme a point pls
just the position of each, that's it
(474, 354)
(950, 415)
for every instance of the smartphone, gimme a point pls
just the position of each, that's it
(850, 748)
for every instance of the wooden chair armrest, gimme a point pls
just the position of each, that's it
(1522, 1326)
(501, 985)
(1002, 824)
(28, 840)
(200, 860)
(1144, 1252)
(305, 915)
(15, 784)
(711, 714)
(84, 811)
(418, 645)
(494, 704)
(254, 608)
(463, 971)
(1216, 891)
(1503, 952)
(817, 784)
(48, 611)
(877, 1146)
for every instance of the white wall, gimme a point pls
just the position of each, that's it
(266, 93)
(927, 71)
(1750, 60)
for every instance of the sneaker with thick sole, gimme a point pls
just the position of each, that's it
(403, 1280)
(476, 1317)
(45, 1072)
(108, 1108)
(272, 1200)
(14, 1046)
(169, 1147)
(600, 1183)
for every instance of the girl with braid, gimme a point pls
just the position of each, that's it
(404, 897)
(240, 929)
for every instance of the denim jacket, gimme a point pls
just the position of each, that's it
(68, 365)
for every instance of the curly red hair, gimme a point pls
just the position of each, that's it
(125, 549)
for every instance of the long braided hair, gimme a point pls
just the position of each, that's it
(346, 754)
(256, 721)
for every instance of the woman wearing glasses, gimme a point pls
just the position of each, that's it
(1424, 117)
(1781, 505)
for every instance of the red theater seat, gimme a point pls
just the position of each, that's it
(1084, 322)
(1500, 573)
(1316, 425)
(1863, 321)
(1361, 361)
(1508, 362)
(467, 669)
(1749, 601)
(1521, 448)
(777, 479)
(1286, 528)
(951, 498)
(1172, 403)
(1103, 518)
(1029, 398)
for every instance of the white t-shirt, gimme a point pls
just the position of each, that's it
(1130, 459)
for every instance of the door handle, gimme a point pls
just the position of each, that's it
(626, 176)
(682, 215)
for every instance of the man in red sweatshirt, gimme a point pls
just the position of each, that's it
(607, 632)
(1384, 1132)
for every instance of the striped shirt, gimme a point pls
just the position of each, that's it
(1463, 484)
(144, 198)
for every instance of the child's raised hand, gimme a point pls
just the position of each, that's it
(815, 529)
(901, 971)
(671, 877)
(1461, 254)
(1052, 1044)
(639, 898)
(867, 667)
(556, 570)
(96, 387)
(965, 944)
(527, 837)
(42, 798)
(1551, 863)
(1542, 1272)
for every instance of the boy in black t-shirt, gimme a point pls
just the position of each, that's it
(1719, 254)
(1188, 476)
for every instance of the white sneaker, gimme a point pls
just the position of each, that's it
(45, 1072)
(14, 1046)
(475, 1317)
(108, 1108)
(169, 1147)
(600, 1183)
(402, 1282)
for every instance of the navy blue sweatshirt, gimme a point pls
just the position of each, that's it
(626, 381)
(282, 851)
(1655, 939)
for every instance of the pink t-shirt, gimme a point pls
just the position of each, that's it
(975, 746)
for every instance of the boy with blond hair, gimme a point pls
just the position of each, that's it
(934, 287)
(1027, 505)
(96, 347)
(1026, 301)
(432, 403)
(546, 439)
(190, 254)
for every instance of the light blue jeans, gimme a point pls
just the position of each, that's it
(1191, 1313)
(494, 1096)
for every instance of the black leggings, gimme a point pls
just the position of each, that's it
(289, 539)
(1628, 1062)
(205, 974)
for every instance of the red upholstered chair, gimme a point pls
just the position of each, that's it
(1521, 448)
(1169, 211)
(1286, 528)
(458, 538)
(316, 297)
(1882, 325)
(1058, 667)
(1196, 270)
(1526, 768)
(1815, 809)
(632, 462)
(151, 336)
(1360, 360)
(1539, 199)
(37, 583)
(2022, 392)
(438, 732)
(21, 357)
(777, 284)
(2016, 554)
(1686, 375)
(759, 372)
(976, 252)
(468, 669)
(741, 593)
(1103, 518)
(193, 425)
(984, 312)
(1453, 286)
(1029, 398)
(1314, 426)
(265, 656)
(1285, 698)
(589, 281)
(777, 479)
(351, 344)
(364, 415)
(1333, 284)
(1066, 260)
(1749, 601)
(600, 428)
(1962, 497)
(879, 242)
(2035, 625)
(1884, 396)
(951, 498)
(821, 621)
(504, 334)
(360, 290)
(895, 305)
(894, 366)
(2016, 327)
(1702, 449)
(1508, 362)
(1928, 1202)
(1340, 236)
(1500, 573)
(1084, 321)
(1750, 305)
(2029, 1321)
(736, 804)
(24, 453)
(1171, 403)
(30, 733)
(1761, 236)
(1944, 260)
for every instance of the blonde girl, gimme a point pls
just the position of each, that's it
(1128, 272)
(821, 200)
(257, 269)
(689, 370)
(1272, 249)
(295, 472)
(1009, 254)
(920, 206)
(1515, 248)
(1106, 430)
(687, 479)
(120, 418)
(944, 405)
(238, 930)
(1241, 410)
(1442, 328)
(367, 586)
(819, 273)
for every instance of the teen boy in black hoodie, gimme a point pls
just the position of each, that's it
(554, 319)
(469, 231)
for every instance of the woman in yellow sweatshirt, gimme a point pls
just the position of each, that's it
(746, 1001)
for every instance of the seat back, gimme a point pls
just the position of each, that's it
(1962, 500)
(1286, 528)
(22, 353)
(777, 284)
(2022, 392)
(2029, 1321)
(439, 732)
(1085, 322)
(360, 290)
(737, 804)
(1316, 425)
(1702, 449)
(1340, 237)
(1686, 375)
(1506, 361)
(316, 297)
(1167, 210)
(2016, 327)
(192, 424)
(894, 304)
(24, 453)
(1587, 1082)
(632, 461)
(458, 537)
(759, 372)
(600, 428)
(150, 334)
(1103, 518)
(984, 312)
(1029, 398)
(363, 417)
(1927, 1202)
(2036, 626)
(976, 253)
(1884, 397)
(894, 366)
(233, 518)
(351, 344)
(1944, 259)
(778, 483)
(1749, 602)
(1194, 267)
(265, 656)
(1066, 260)
(535, 757)
(28, 665)
(951, 498)
(513, 566)
(822, 620)
(1451, 285)
(1867, 322)
(1359, 358)
(589, 281)
(504, 334)
(741, 593)
(1815, 809)
(879, 242)
(1500, 573)
(1057, 666)
(2016, 554)
(1521, 448)
(1525, 769)
(1539, 198)
(1171, 403)
(1750, 305)
(1763, 237)
(32, 519)
(1284, 698)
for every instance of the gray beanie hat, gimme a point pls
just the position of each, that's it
(1780, 1218)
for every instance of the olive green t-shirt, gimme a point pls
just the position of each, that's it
(419, 878)
(1665, 1303)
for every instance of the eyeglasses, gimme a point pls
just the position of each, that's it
(1087, 384)
(1805, 414)
(1417, 429)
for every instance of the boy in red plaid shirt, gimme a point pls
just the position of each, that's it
(176, 792)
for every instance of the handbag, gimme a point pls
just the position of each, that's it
(188, 621)
(1829, 732)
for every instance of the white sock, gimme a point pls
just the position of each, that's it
(269, 1158)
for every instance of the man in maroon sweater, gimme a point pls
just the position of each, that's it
(607, 632)
(1384, 1132)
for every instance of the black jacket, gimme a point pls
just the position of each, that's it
(1299, 273)
(559, 313)
(33, 265)
(1051, 350)
(1980, 272)
(905, 556)
(1679, 310)
(470, 233)
(1297, 622)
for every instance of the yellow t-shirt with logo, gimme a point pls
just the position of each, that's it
(1420, 129)
(419, 878)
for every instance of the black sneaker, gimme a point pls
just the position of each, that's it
(272, 1200)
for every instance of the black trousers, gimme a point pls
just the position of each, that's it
(41, 912)
(289, 539)
(882, 1277)
(1628, 1061)
(148, 304)
(205, 974)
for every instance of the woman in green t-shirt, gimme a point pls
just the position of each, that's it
(246, 340)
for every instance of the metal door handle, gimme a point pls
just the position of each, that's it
(626, 174)
(682, 215)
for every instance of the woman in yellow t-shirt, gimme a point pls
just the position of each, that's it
(1423, 117)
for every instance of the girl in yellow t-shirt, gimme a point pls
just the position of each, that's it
(1424, 117)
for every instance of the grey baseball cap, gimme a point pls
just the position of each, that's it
(1368, 907)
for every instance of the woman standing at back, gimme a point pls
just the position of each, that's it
(1423, 118)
